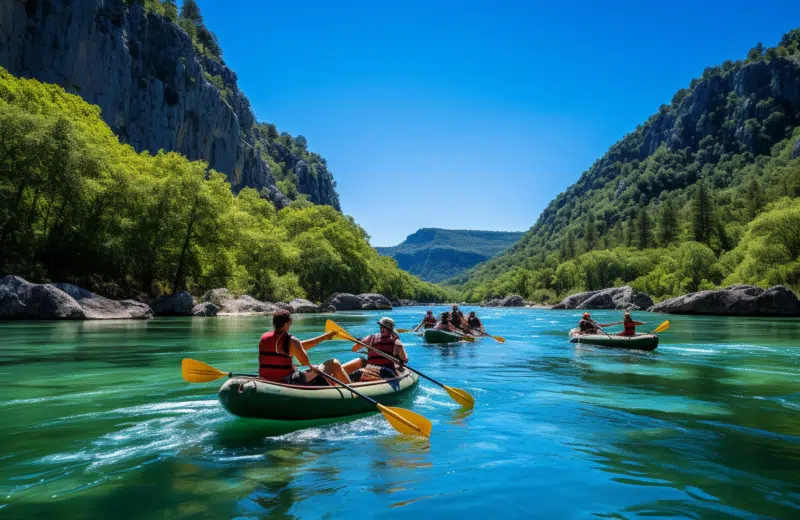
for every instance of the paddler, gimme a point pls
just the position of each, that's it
(474, 323)
(444, 323)
(428, 322)
(375, 366)
(629, 324)
(588, 326)
(277, 348)
(457, 318)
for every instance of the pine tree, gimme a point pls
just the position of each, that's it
(590, 234)
(170, 10)
(702, 214)
(191, 11)
(568, 246)
(668, 223)
(644, 229)
(630, 232)
(755, 200)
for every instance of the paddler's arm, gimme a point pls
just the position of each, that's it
(401, 352)
(637, 323)
(313, 342)
(296, 349)
(357, 346)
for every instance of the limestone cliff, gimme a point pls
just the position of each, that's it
(154, 90)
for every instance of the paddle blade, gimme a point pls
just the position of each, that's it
(403, 331)
(195, 371)
(332, 326)
(460, 396)
(406, 421)
(499, 338)
(661, 328)
(467, 338)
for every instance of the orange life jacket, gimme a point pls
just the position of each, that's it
(630, 328)
(385, 345)
(274, 360)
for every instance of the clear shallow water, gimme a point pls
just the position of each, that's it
(97, 423)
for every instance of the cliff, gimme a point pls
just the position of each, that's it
(438, 254)
(154, 89)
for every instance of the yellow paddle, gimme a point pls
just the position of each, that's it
(402, 420)
(460, 396)
(661, 328)
(464, 337)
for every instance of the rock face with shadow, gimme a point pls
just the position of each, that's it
(353, 302)
(620, 298)
(20, 299)
(515, 300)
(737, 300)
(178, 304)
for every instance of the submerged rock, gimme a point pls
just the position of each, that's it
(178, 304)
(206, 309)
(20, 299)
(620, 298)
(737, 300)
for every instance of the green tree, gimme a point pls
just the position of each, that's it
(667, 223)
(754, 199)
(702, 214)
(644, 229)
(170, 10)
(191, 11)
(590, 233)
(568, 247)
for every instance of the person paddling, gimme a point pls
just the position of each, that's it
(474, 323)
(588, 326)
(630, 325)
(457, 318)
(375, 366)
(277, 348)
(428, 322)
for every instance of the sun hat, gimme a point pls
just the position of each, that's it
(587, 315)
(386, 322)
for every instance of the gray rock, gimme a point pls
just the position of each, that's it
(514, 300)
(179, 304)
(620, 298)
(206, 309)
(330, 309)
(150, 84)
(345, 302)
(301, 306)
(405, 303)
(492, 302)
(283, 306)
(372, 302)
(230, 305)
(20, 299)
(737, 300)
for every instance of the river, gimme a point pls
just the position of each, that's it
(97, 423)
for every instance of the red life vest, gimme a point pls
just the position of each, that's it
(385, 345)
(429, 321)
(475, 323)
(630, 328)
(274, 360)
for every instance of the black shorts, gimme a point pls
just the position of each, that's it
(298, 378)
(384, 372)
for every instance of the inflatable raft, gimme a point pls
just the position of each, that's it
(257, 398)
(440, 336)
(638, 342)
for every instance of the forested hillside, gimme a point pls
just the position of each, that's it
(437, 254)
(704, 193)
(77, 205)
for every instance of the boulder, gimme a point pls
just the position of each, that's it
(620, 298)
(20, 299)
(345, 302)
(405, 303)
(737, 300)
(178, 304)
(230, 305)
(100, 308)
(283, 306)
(374, 302)
(493, 302)
(206, 309)
(515, 300)
(301, 306)
(330, 309)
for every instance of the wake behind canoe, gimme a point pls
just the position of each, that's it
(638, 342)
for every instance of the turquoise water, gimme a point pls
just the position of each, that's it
(97, 423)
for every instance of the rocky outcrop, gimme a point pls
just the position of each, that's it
(515, 300)
(20, 299)
(206, 310)
(374, 302)
(229, 304)
(620, 298)
(737, 300)
(405, 303)
(178, 304)
(301, 306)
(154, 90)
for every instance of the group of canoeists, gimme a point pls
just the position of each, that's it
(453, 321)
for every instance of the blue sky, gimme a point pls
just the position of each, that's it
(472, 115)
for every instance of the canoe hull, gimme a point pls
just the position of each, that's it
(440, 336)
(256, 398)
(638, 342)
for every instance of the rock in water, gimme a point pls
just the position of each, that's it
(229, 304)
(345, 302)
(206, 309)
(374, 302)
(301, 306)
(515, 300)
(737, 300)
(101, 308)
(179, 304)
(620, 298)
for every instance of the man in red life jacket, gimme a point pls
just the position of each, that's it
(277, 348)
(388, 342)
(428, 322)
(630, 325)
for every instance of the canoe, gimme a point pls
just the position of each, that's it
(440, 336)
(638, 342)
(253, 397)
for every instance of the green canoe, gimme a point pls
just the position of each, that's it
(253, 397)
(638, 342)
(440, 336)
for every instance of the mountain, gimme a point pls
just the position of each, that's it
(161, 83)
(705, 192)
(437, 254)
